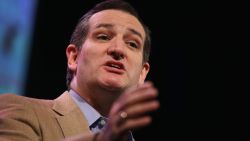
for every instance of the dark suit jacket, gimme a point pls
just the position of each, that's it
(29, 119)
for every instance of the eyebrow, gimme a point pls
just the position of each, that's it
(109, 26)
(105, 25)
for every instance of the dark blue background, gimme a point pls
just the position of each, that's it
(186, 68)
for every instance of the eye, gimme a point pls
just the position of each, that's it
(103, 37)
(133, 44)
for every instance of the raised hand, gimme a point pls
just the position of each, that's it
(130, 111)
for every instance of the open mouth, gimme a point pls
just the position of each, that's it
(114, 64)
(115, 67)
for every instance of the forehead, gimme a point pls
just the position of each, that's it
(117, 18)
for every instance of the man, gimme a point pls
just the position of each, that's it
(107, 65)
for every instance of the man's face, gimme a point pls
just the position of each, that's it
(112, 53)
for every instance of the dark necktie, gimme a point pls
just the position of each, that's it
(100, 123)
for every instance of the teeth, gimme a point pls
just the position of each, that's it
(116, 66)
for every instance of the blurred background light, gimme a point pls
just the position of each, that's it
(16, 27)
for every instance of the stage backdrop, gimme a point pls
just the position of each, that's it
(16, 25)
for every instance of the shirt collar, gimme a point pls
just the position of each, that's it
(89, 112)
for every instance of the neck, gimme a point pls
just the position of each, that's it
(103, 100)
(99, 98)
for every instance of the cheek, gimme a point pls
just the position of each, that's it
(92, 51)
(136, 66)
(87, 54)
(137, 61)
(90, 57)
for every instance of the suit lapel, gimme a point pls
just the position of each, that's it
(70, 117)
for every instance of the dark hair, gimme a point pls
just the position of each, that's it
(81, 31)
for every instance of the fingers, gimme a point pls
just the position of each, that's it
(142, 108)
(131, 109)
(137, 123)
(136, 116)
(142, 94)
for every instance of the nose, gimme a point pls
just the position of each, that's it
(117, 49)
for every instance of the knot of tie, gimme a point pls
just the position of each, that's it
(98, 124)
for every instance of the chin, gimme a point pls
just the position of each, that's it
(113, 85)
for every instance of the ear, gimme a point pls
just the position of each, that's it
(72, 52)
(144, 73)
